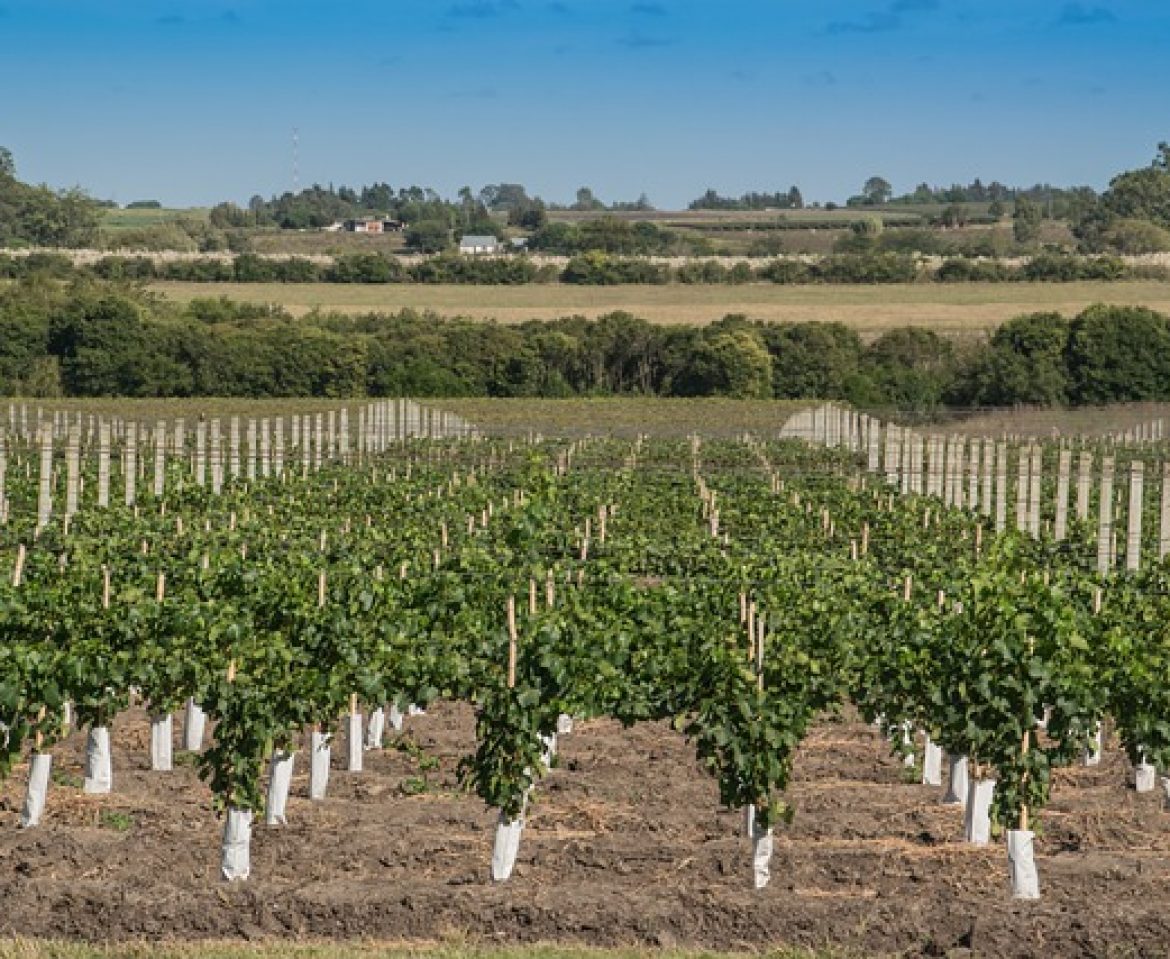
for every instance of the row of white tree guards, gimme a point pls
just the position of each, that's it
(210, 450)
(1005, 478)
(133, 456)
(974, 472)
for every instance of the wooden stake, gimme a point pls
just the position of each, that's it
(512, 642)
(18, 569)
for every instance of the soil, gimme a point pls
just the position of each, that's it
(626, 845)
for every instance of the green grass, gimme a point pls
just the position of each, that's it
(37, 949)
(115, 820)
(115, 219)
(954, 309)
(148, 410)
(626, 416)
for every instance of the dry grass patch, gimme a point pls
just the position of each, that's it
(954, 309)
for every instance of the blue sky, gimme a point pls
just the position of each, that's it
(191, 103)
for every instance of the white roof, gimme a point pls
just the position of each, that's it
(479, 241)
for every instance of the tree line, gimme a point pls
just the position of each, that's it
(93, 338)
(586, 269)
(40, 216)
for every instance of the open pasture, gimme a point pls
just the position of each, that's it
(966, 309)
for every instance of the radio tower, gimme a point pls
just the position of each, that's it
(296, 160)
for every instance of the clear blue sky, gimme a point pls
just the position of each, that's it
(191, 103)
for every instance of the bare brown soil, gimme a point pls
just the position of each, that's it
(626, 846)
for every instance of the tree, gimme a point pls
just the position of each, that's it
(728, 362)
(587, 201)
(531, 216)
(953, 215)
(7, 163)
(228, 215)
(1142, 194)
(1026, 220)
(1136, 237)
(996, 209)
(870, 226)
(911, 367)
(1119, 354)
(504, 196)
(795, 200)
(428, 236)
(1025, 363)
(877, 190)
(812, 360)
(99, 337)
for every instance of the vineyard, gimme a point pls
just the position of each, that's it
(376, 635)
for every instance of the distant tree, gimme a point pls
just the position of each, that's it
(910, 367)
(587, 201)
(728, 362)
(1118, 354)
(99, 337)
(532, 216)
(953, 215)
(877, 190)
(1026, 220)
(1142, 194)
(996, 209)
(1135, 237)
(870, 226)
(227, 216)
(377, 197)
(7, 163)
(504, 196)
(429, 236)
(144, 205)
(640, 205)
(795, 200)
(1025, 362)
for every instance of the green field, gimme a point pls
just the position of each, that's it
(119, 219)
(956, 309)
(626, 416)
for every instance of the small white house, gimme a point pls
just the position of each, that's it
(474, 245)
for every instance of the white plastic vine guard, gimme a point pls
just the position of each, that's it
(957, 783)
(376, 729)
(1022, 864)
(506, 847)
(39, 768)
(977, 822)
(279, 784)
(761, 855)
(99, 774)
(1092, 756)
(161, 751)
(932, 764)
(194, 721)
(236, 858)
(353, 742)
(550, 750)
(320, 754)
